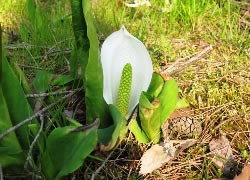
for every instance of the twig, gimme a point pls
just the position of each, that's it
(23, 45)
(29, 156)
(35, 115)
(174, 68)
(103, 164)
(31, 67)
(46, 94)
(77, 107)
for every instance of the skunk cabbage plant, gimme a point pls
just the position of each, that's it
(127, 70)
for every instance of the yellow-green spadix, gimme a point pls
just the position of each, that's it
(127, 70)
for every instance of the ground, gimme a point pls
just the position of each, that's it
(217, 86)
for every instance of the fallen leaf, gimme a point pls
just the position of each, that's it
(159, 154)
(223, 156)
(156, 156)
(220, 147)
(245, 174)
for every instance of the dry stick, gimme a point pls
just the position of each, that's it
(103, 164)
(174, 68)
(31, 67)
(35, 115)
(29, 156)
(47, 94)
(77, 107)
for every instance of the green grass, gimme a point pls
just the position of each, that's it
(217, 86)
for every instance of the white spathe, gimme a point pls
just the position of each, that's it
(117, 50)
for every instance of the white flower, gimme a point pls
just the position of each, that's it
(119, 49)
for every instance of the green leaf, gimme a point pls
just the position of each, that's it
(145, 102)
(42, 81)
(105, 134)
(67, 148)
(18, 106)
(156, 85)
(61, 80)
(139, 134)
(11, 152)
(20, 75)
(150, 117)
(168, 98)
(73, 122)
(96, 107)
(24, 83)
(119, 128)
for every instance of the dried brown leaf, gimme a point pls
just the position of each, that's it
(156, 156)
(221, 148)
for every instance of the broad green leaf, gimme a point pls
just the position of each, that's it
(18, 106)
(156, 85)
(24, 83)
(105, 134)
(150, 117)
(10, 150)
(42, 81)
(168, 98)
(73, 122)
(61, 80)
(119, 131)
(96, 107)
(145, 102)
(67, 148)
(20, 75)
(138, 132)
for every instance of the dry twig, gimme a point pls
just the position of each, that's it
(103, 164)
(35, 115)
(47, 94)
(178, 66)
(29, 156)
